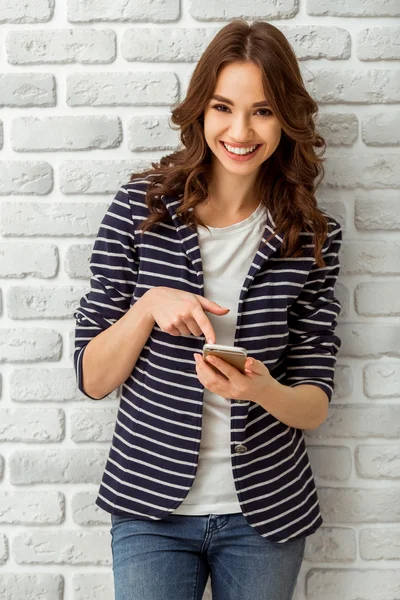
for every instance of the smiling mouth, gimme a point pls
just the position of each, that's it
(240, 149)
(240, 153)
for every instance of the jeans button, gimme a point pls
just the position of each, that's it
(240, 448)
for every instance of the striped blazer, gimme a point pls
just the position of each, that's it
(286, 319)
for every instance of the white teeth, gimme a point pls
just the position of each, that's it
(240, 151)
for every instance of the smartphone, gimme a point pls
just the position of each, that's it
(234, 355)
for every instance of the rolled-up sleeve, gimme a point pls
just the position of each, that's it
(113, 266)
(313, 345)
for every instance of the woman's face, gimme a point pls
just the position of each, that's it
(233, 120)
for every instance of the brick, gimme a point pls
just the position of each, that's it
(46, 385)
(94, 425)
(338, 129)
(98, 176)
(73, 133)
(29, 345)
(343, 295)
(27, 302)
(344, 382)
(26, 11)
(370, 257)
(32, 508)
(65, 548)
(153, 11)
(21, 260)
(374, 86)
(22, 177)
(24, 90)
(355, 505)
(77, 259)
(52, 219)
(61, 46)
(358, 8)
(31, 425)
(85, 585)
(382, 380)
(364, 340)
(156, 88)
(378, 462)
(330, 463)
(86, 512)
(380, 543)
(359, 421)
(147, 44)
(377, 210)
(352, 584)
(365, 171)
(329, 202)
(381, 129)
(317, 41)
(331, 544)
(378, 43)
(208, 10)
(57, 466)
(28, 586)
(152, 133)
(378, 298)
(3, 551)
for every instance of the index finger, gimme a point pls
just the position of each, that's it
(205, 325)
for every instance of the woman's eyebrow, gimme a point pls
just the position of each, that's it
(227, 101)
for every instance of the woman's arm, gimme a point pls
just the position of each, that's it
(114, 265)
(109, 358)
(303, 406)
(312, 350)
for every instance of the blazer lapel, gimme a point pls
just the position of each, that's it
(188, 237)
(266, 250)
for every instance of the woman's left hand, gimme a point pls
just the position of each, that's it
(236, 386)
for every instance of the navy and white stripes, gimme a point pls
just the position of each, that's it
(286, 318)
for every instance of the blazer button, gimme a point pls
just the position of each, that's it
(240, 448)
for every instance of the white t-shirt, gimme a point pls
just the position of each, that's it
(227, 253)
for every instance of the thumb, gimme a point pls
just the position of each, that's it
(211, 306)
(253, 365)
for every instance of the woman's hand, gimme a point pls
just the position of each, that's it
(232, 383)
(181, 313)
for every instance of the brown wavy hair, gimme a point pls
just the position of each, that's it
(287, 180)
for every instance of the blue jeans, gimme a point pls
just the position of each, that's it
(172, 558)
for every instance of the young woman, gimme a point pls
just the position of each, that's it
(221, 241)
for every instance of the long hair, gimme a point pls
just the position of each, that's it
(287, 180)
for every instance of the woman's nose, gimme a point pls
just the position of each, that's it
(240, 130)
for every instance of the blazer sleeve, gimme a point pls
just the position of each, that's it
(313, 345)
(113, 265)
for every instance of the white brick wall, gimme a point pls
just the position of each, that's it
(85, 93)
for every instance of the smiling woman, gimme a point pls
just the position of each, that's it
(221, 241)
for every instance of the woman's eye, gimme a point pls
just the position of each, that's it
(218, 106)
(222, 107)
(267, 112)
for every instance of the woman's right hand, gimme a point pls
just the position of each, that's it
(182, 313)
